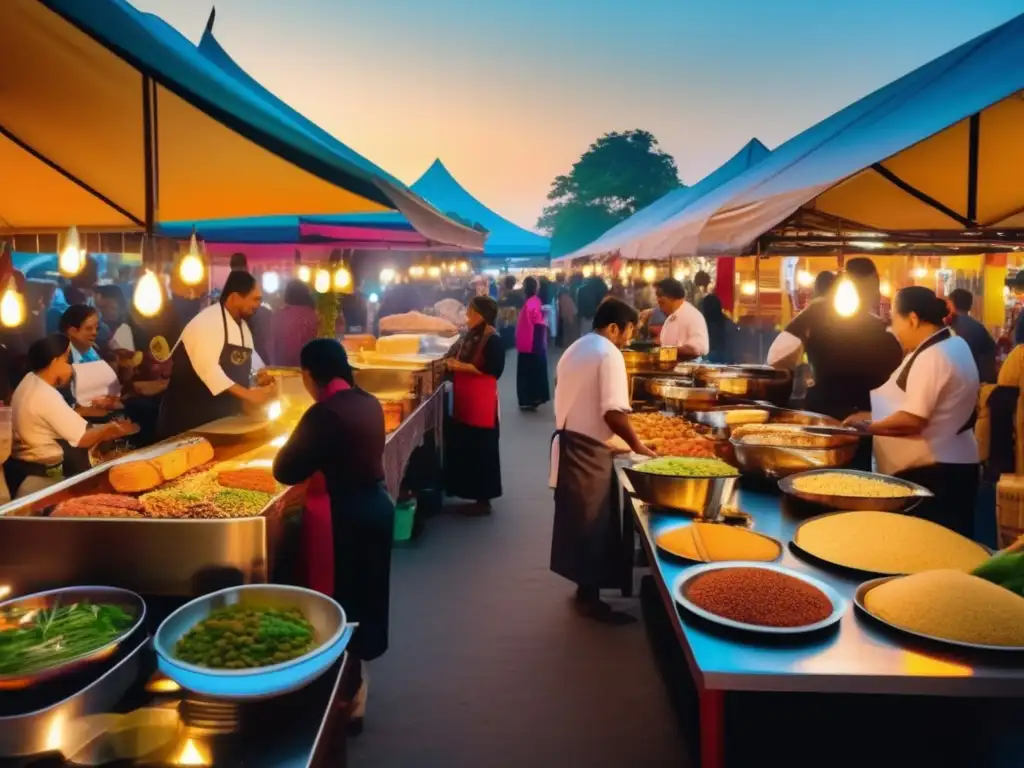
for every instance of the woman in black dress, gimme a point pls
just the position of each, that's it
(478, 360)
(342, 437)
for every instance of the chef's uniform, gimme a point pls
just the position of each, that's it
(586, 540)
(938, 382)
(214, 352)
(44, 429)
(686, 327)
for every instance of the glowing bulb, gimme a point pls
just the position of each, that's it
(847, 301)
(885, 288)
(149, 294)
(72, 258)
(387, 275)
(342, 279)
(433, 272)
(304, 273)
(322, 282)
(374, 298)
(12, 306)
(271, 282)
(191, 755)
(463, 266)
(804, 279)
(649, 274)
(748, 288)
(919, 273)
(274, 410)
(679, 274)
(191, 269)
(588, 271)
(417, 271)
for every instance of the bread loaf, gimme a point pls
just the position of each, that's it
(147, 474)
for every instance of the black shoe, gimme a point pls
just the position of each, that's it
(601, 612)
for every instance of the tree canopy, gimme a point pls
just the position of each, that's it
(619, 174)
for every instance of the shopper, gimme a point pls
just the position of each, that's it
(982, 345)
(532, 345)
(293, 325)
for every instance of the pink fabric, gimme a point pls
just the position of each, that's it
(532, 314)
(291, 328)
(317, 534)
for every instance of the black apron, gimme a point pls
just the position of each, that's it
(586, 543)
(955, 485)
(188, 402)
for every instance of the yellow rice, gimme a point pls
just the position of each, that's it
(842, 484)
(951, 605)
(711, 543)
(888, 543)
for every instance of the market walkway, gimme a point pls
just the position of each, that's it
(487, 666)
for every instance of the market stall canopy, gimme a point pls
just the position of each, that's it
(112, 120)
(937, 152)
(625, 236)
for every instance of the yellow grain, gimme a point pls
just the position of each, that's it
(843, 484)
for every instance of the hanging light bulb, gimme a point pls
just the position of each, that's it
(72, 258)
(271, 282)
(342, 279)
(417, 271)
(322, 281)
(191, 270)
(463, 266)
(149, 294)
(588, 270)
(433, 272)
(12, 306)
(649, 273)
(919, 273)
(304, 273)
(679, 274)
(847, 300)
(387, 275)
(804, 279)
(748, 288)
(885, 288)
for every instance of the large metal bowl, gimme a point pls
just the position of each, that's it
(778, 461)
(884, 504)
(329, 624)
(753, 382)
(702, 497)
(683, 399)
(129, 601)
(656, 385)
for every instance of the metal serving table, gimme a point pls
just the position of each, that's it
(859, 658)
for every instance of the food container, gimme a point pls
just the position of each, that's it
(67, 596)
(394, 412)
(836, 501)
(682, 399)
(354, 343)
(702, 497)
(777, 461)
(657, 385)
(657, 359)
(332, 634)
(753, 382)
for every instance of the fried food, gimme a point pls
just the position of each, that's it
(671, 436)
(100, 505)
(248, 479)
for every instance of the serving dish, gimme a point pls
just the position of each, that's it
(755, 382)
(867, 586)
(777, 461)
(839, 604)
(853, 503)
(67, 596)
(682, 398)
(657, 359)
(676, 555)
(332, 633)
(702, 497)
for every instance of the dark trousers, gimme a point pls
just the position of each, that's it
(956, 492)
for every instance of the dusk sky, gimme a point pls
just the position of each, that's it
(509, 93)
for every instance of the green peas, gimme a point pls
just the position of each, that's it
(240, 637)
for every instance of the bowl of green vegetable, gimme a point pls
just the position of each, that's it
(696, 486)
(49, 634)
(252, 642)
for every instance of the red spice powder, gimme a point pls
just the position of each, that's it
(759, 596)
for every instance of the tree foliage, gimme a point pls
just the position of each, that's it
(619, 174)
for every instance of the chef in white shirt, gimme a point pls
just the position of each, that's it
(44, 426)
(214, 361)
(685, 327)
(591, 405)
(923, 416)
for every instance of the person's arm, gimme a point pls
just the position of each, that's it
(204, 354)
(536, 313)
(697, 341)
(925, 383)
(300, 457)
(110, 431)
(614, 402)
(618, 422)
(69, 426)
(785, 352)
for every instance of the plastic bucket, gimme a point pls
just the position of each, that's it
(405, 515)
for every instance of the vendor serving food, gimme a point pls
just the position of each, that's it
(214, 360)
(923, 416)
(685, 327)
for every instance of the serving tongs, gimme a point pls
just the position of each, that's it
(833, 431)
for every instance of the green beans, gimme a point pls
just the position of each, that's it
(687, 467)
(36, 640)
(246, 636)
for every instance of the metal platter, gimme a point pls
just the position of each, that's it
(41, 601)
(854, 503)
(839, 604)
(675, 555)
(867, 586)
(702, 497)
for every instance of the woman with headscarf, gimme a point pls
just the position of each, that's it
(532, 345)
(339, 443)
(477, 362)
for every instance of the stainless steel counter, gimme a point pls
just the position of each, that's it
(859, 658)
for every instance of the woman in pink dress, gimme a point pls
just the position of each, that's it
(532, 345)
(293, 325)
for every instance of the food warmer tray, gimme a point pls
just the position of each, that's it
(855, 503)
(176, 557)
(867, 586)
(839, 604)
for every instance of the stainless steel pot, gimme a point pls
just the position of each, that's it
(702, 497)
(780, 461)
(753, 382)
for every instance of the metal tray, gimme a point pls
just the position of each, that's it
(683, 558)
(839, 604)
(70, 596)
(855, 503)
(867, 586)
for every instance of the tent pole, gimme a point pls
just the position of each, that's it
(757, 301)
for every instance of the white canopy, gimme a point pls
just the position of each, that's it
(939, 150)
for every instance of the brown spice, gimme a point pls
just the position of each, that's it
(759, 596)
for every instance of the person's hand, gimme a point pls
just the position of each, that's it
(643, 450)
(859, 421)
(123, 427)
(456, 365)
(260, 395)
(644, 316)
(263, 378)
(107, 403)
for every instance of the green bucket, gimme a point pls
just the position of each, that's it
(405, 515)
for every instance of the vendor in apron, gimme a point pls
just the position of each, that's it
(213, 362)
(44, 427)
(591, 405)
(923, 416)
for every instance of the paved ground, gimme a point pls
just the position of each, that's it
(487, 666)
